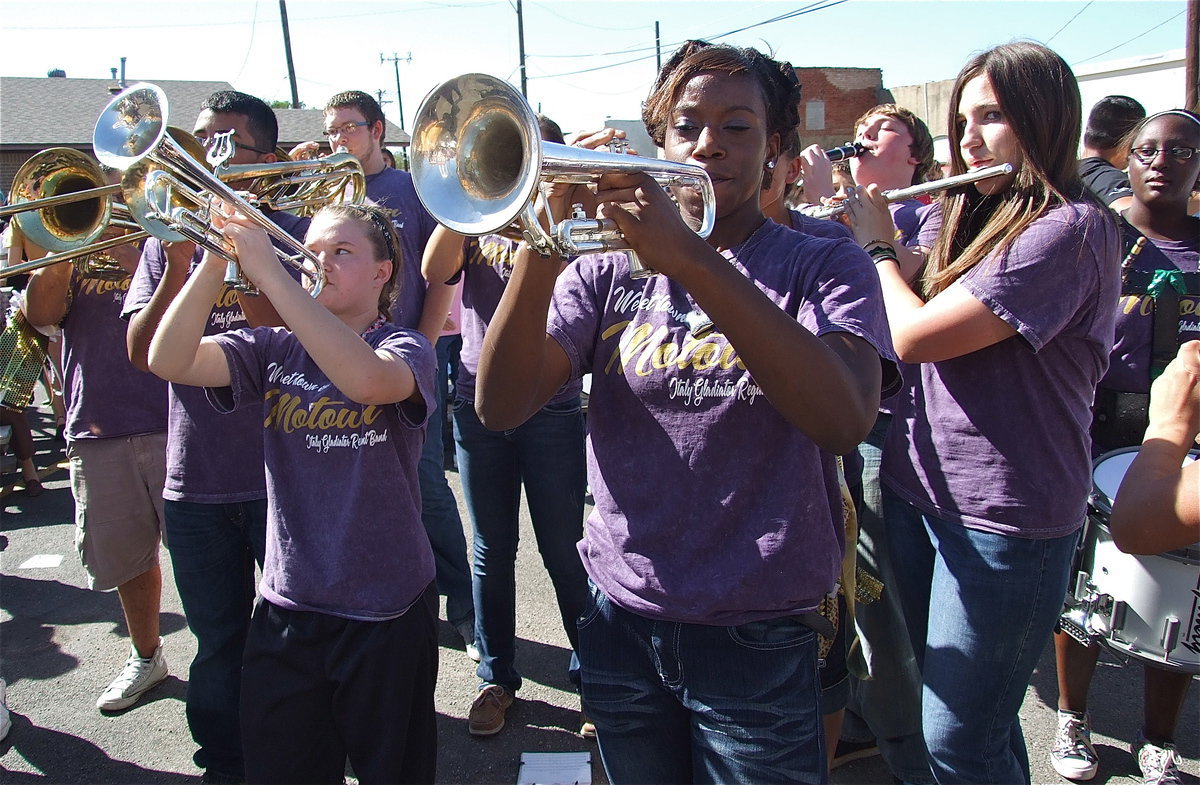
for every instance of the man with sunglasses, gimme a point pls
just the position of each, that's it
(215, 493)
(354, 123)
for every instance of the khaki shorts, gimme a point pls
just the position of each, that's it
(118, 485)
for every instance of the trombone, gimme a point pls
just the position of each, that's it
(172, 194)
(62, 203)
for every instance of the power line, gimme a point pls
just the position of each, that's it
(1131, 40)
(1069, 21)
(818, 5)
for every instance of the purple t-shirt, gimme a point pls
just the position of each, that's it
(487, 268)
(344, 532)
(1129, 364)
(998, 438)
(211, 458)
(908, 218)
(393, 190)
(687, 525)
(819, 227)
(116, 399)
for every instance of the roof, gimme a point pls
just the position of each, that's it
(41, 112)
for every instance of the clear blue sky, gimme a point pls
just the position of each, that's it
(586, 60)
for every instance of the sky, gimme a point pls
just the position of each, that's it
(585, 61)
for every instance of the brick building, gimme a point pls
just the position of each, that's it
(833, 98)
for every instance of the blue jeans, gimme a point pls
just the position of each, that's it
(214, 548)
(886, 707)
(678, 703)
(439, 510)
(546, 455)
(997, 600)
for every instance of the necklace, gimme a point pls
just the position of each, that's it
(697, 321)
(375, 325)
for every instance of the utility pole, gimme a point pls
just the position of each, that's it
(521, 49)
(395, 58)
(287, 48)
(379, 99)
(657, 51)
(1191, 67)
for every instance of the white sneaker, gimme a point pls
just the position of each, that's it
(1159, 765)
(5, 720)
(138, 676)
(1073, 755)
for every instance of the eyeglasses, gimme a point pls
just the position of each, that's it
(344, 129)
(208, 141)
(1148, 154)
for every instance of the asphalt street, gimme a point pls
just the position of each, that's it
(60, 644)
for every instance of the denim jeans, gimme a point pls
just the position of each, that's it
(887, 706)
(546, 455)
(439, 510)
(996, 600)
(678, 703)
(214, 548)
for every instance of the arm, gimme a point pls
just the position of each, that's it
(443, 256)
(834, 401)
(436, 309)
(143, 323)
(178, 351)
(951, 324)
(1158, 505)
(48, 291)
(520, 366)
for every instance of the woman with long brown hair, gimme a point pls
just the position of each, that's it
(986, 477)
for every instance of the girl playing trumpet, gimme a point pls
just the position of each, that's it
(341, 658)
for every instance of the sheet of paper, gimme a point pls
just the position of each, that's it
(555, 768)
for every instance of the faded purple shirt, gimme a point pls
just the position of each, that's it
(212, 458)
(710, 507)
(344, 531)
(393, 190)
(998, 438)
(105, 395)
(819, 227)
(487, 268)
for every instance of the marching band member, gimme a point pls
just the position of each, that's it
(986, 479)
(341, 657)
(697, 661)
(1157, 312)
(116, 444)
(215, 493)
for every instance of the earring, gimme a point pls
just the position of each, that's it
(769, 164)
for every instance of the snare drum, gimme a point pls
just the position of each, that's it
(1146, 607)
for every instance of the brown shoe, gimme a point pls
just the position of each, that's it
(587, 728)
(487, 712)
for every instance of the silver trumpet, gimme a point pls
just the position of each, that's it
(933, 186)
(478, 162)
(172, 193)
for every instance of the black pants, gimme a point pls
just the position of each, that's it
(318, 689)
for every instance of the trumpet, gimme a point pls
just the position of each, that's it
(63, 204)
(171, 193)
(933, 186)
(478, 163)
